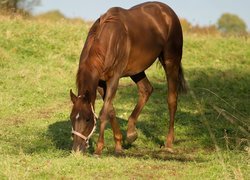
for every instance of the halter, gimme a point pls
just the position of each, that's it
(86, 138)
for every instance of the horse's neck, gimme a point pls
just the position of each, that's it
(87, 81)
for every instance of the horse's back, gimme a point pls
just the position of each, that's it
(154, 18)
(150, 18)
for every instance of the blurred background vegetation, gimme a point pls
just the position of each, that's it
(227, 24)
(18, 6)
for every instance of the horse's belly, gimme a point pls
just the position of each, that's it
(139, 61)
(145, 48)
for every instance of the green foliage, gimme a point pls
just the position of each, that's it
(38, 64)
(9, 4)
(15, 5)
(230, 23)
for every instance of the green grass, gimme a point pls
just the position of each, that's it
(38, 62)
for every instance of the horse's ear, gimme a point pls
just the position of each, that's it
(87, 96)
(72, 96)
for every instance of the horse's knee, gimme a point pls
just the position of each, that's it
(103, 117)
(112, 114)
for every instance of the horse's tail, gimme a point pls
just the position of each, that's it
(182, 84)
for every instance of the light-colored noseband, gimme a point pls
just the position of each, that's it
(86, 138)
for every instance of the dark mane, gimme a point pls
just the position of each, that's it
(93, 48)
(112, 15)
(90, 38)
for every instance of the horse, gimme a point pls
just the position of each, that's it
(124, 43)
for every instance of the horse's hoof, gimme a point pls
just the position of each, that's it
(132, 137)
(168, 149)
(119, 152)
(96, 155)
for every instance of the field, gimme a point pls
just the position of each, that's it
(38, 62)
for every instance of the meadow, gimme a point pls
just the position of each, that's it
(38, 64)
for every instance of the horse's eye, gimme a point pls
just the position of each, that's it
(88, 120)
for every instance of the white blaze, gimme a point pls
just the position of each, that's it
(77, 116)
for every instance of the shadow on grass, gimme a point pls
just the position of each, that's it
(60, 134)
(159, 154)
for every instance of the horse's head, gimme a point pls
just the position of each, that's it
(83, 120)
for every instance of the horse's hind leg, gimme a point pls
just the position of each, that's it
(172, 65)
(145, 89)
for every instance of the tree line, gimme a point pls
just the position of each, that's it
(226, 24)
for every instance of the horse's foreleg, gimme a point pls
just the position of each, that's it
(145, 89)
(107, 109)
(116, 131)
(115, 126)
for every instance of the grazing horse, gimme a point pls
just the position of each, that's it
(124, 43)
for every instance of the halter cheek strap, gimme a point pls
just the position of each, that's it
(86, 138)
(79, 134)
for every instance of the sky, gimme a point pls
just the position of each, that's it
(202, 12)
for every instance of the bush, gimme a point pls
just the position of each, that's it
(232, 24)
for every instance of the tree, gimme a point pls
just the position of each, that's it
(14, 5)
(230, 23)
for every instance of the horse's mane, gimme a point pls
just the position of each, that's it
(89, 48)
(92, 45)
(111, 16)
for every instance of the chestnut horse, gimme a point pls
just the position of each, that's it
(124, 43)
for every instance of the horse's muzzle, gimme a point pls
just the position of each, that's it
(79, 148)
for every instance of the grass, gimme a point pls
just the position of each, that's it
(38, 62)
